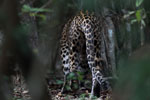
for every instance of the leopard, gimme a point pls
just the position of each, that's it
(81, 45)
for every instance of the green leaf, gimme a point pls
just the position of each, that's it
(59, 82)
(138, 2)
(143, 23)
(144, 14)
(82, 96)
(131, 12)
(68, 87)
(128, 14)
(71, 76)
(42, 16)
(80, 76)
(27, 8)
(75, 86)
(133, 21)
(94, 97)
(138, 15)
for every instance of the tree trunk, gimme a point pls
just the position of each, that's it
(31, 23)
(15, 50)
(109, 39)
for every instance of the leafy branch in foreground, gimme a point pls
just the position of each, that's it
(35, 11)
(138, 15)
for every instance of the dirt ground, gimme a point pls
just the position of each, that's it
(20, 91)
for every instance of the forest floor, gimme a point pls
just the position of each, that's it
(54, 85)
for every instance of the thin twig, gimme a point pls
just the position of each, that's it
(46, 4)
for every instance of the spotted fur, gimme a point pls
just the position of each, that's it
(81, 45)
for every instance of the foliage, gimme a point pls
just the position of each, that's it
(134, 81)
(35, 11)
(71, 76)
(138, 15)
(80, 76)
(74, 78)
(59, 82)
(82, 96)
(67, 97)
(27, 8)
(138, 2)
